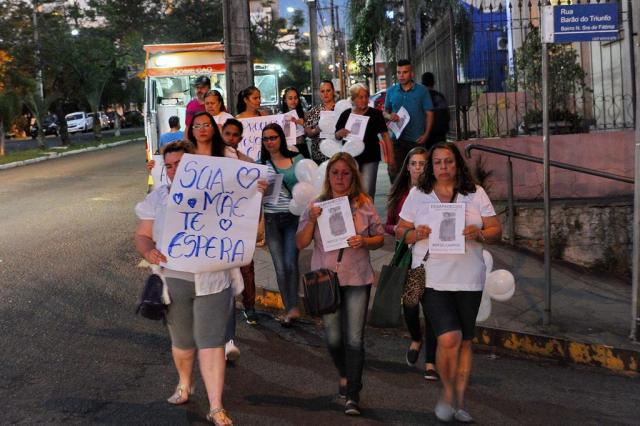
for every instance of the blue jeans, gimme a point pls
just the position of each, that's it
(344, 331)
(369, 173)
(280, 230)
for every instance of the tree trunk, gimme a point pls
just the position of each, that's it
(64, 132)
(116, 125)
(97, 125)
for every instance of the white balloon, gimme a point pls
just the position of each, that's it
(500, 285)
(318, 180)
(488, 260)
(353, 147)
(295, 208)
(306, 170)
(329, 147)
(485, 307)
(303, 193)
(341, 106)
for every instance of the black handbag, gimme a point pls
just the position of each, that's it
(385, 311)
(322, 290)
(151, 305)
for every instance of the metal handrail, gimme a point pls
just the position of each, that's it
(526, 157)
(566, 166)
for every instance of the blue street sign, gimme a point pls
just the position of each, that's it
(582, 22)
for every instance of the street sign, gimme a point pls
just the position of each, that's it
(580, 22)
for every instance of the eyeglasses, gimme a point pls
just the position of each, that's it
(270, 138)
(232, 135)
(202, 126)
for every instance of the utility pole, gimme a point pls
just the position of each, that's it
(313, 47)
(546, 177)
(333, 42)
(237, 48)
(341, 69)
(635, 292)
(36, 40)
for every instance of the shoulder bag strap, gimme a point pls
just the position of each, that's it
(340, 253)
(275, 169)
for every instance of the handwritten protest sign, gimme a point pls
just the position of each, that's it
(159, 173)
(252, 133)
(212, 214)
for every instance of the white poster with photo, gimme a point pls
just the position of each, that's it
(297, 129)
(251, 143)
(446, 221)
(398, 126)
(212, 214)
(327, 124)
(159, 172)
(335, 223)
(272, 194)
(356, 125)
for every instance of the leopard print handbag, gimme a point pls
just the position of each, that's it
(415, 284)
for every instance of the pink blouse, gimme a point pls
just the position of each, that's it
(355, 268)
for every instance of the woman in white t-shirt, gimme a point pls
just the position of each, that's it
(214, 105)
(454, 281)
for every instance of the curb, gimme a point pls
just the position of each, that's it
(591, 354)
(53, 155)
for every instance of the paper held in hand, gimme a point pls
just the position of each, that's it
(327, 124)
(272, 193)
(398, 126)
(212, 214)
(356, 125)
(335, 223)
(159, 173)
(446, 221)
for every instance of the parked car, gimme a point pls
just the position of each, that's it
(50, 125)
(377, 100)
(133, 119)
(104, 120)
(112, 119)
(79, 122)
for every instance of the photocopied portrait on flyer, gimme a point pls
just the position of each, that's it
(335, 223)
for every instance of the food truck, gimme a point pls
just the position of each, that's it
(170, 70)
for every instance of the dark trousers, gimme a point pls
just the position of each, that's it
(412, 319)
(249, 292)
(344, 331)
(401, 148)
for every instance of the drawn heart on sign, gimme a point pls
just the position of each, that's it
(192, 202)
(225, 224)
(246, 177)
(177, 197)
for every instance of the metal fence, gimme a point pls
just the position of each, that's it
(490, 72)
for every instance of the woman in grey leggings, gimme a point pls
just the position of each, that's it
(198, 312)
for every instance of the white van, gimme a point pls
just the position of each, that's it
(79, 122)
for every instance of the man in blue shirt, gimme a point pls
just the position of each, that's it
(175, 134)
(416, 100)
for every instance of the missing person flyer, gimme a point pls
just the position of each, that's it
(446, 221)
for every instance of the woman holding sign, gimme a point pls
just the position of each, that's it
(376, 128)
(344, 329)
(249, 102)
(281, 224)
(198, 313)
(454, 281)
(291, 102)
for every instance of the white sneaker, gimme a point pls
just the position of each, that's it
(231, 351)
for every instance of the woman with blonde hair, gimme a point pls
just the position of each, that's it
(376, 129)
(344, 329)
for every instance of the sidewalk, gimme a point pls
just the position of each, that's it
(590, 314)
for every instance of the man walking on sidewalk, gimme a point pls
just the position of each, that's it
(440, 110)
(416, 100)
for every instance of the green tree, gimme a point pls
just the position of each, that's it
(279, 41)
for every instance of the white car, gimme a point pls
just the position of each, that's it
(104, 120)
(79, 122)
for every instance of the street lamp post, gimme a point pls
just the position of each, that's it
(313, 46)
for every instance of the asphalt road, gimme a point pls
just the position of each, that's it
(73, 352)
